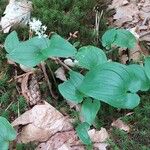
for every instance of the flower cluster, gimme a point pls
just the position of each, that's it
(37, 27)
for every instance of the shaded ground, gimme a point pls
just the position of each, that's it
(13, 104)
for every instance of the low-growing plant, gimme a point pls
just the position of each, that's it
(7, 133)
(102, 81)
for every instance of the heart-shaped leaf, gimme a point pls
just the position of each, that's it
(110, 83)
(118, 37)
(90, 56)
(109, 37)
(69, 90)
(59, 47)
(29, 53)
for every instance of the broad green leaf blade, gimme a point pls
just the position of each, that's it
(90, 56)
(29, 53)
(109, 37)
(7, 133)
(118, 37)
(125, 39)
(69, 90)
(11, 42)
(90, 109)
(140, 79)
(82, 132)
(59, 47)
(76, 78)
(147, 66)
(40, 43)
(4, 145)
(129, 101)
(109, 83)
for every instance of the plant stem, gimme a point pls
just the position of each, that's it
(61, 63)
(49, 67)
(48, 81)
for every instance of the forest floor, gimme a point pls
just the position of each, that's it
(13, 104)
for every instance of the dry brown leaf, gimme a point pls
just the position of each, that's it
(41, 122)
(126, 13)
(98, 136)
(64, 147)
(70, 140)
(60, 74)
(129, 114)
(145, 38)
(120, 125)
(118, 3)
(24, 86)
(10, 62)
(132, 14)
(124, 58)
(30, 89)
(135, 54)
(16, 13)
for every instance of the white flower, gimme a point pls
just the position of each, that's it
(38, 28)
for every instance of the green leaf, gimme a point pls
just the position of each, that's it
(109, 83)
(40, 43)
(125, 39)
(89, 110)
(82, 132)
(118, 37)
(76, 44)
(7, 133)
(109, 37)
(29, 53)
(147, 66)
(4, 145)
(140, 78)
(59, 47)
(69, 90)
(90, 56)
(129, 101)
(11, 42)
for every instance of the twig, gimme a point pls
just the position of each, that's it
(49, 67)
(61, 63)
(48, 81)
(145, 20)
(98, 17)
(144, 34)
(8, 106)
(20, 76)
(18, 109)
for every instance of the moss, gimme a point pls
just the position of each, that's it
(68, 16)
(139, 136)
